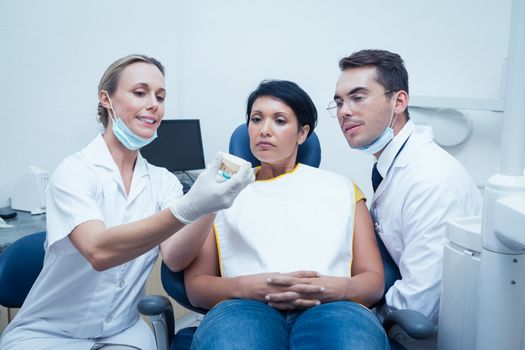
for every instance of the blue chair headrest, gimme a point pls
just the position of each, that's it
(309, 152)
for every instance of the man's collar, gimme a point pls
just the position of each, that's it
(386, 159)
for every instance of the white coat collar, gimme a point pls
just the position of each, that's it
(97, 153)
(387, 157)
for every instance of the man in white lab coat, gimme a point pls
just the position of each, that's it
(417, 185)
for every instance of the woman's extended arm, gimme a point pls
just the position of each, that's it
(108, 247)
(365, 286)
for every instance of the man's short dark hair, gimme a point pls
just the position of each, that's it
(391, 71)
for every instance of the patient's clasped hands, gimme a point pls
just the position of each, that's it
(287, 291)
(304, 289)
(294, 290)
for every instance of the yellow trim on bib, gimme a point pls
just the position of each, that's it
(279, 176)
(358, 195)
(218, 246)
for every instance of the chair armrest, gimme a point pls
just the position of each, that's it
(160, 312)
(152, 305)
(414, 323)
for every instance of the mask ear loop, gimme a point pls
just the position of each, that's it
(391, 124)
(112, 113)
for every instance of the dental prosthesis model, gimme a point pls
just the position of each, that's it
(230, 165)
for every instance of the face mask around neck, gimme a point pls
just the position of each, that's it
(382, 140)
(128, 138)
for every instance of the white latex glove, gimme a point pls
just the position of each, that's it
(207, 195)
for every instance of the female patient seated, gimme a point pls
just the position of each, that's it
(293, 261)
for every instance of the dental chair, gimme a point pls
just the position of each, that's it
(157, 307)
(413, 323)
(20, 265)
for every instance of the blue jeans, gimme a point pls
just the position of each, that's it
(249, 324)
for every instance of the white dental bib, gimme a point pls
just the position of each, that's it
(302, 220)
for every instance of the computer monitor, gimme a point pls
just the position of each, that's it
(178, 146)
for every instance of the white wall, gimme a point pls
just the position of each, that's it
(53, 55)
(216, 52)
(451, 48)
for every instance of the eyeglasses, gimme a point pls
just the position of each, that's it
(354, 101)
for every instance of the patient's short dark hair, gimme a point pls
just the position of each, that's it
(292, 95)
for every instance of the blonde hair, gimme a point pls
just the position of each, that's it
(110, 79)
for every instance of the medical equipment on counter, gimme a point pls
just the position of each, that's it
(3, 224)
(29, 193)
(501, 298)
(7, 213)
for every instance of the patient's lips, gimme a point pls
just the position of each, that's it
(264, 145)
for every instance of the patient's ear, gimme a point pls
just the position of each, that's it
(303, 134)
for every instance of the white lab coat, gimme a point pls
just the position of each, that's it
(422, 187)
(72, 306)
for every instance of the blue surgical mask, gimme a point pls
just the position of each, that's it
(128, 138)
(382, 140)
(379, 143)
